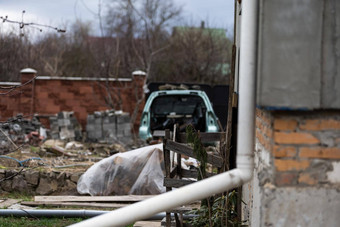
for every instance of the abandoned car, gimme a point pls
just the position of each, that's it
(165, 108)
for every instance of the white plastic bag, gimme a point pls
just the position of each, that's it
(137, 172)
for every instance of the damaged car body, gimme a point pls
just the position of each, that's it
(165, 108)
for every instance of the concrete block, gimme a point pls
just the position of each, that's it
(90, 119)
(127, 132)
(98, 121)
(64, 122)
(124, 118)
(109, 127)
(109, 119)
(65, 133)
(55, 135)
(120, 132)
(90, 127)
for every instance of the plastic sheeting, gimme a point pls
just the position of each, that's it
(137, 172)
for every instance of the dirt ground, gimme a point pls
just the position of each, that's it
(57, 154)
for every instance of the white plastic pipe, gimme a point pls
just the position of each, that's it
(245, 142)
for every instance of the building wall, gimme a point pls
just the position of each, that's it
(297, 169)
(296, 179)
(299, 61)
(46, 96)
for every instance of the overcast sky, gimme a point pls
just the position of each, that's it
(218, 13)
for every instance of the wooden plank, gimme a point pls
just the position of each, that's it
(147, 224)
(74, 204)
(205, 137)
(188, 151)
(193, 173)
(158, 133)
(123, 198)
(166, 154)
(176, 183)
(189, 173)
(212, 136)
(179, 148)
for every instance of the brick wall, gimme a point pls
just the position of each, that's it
(47, 96)
(304, 146)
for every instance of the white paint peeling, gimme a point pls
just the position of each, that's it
(262, 156)
(334, 175)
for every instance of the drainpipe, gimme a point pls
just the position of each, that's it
(245, 143)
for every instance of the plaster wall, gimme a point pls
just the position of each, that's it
(292, 206)
(298, 57)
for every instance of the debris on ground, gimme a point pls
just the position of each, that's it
(34, 163)
(17, 131)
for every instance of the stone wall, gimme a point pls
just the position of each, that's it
(297, 169)
(39, 182)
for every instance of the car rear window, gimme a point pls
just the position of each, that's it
(176, 104)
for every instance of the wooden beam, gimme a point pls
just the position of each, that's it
(123, 198)
(180, 209)
(74, 204)
(189, 173)
(206, 137)
(176, 183)
(188, 151)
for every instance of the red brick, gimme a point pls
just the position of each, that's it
(86, 89)
(321, 124)
(283, 179)
(66, 95)
(41, 95)
(295, 138)
(285, 124)
(284, 151)
(305, 178)
(51, 108)
(290, 165)
(320, 152)
(25, 100)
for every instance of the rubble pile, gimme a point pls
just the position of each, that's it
(65, 126)
(17, 130)
(108, 126)
(52, 168)
(42, 161)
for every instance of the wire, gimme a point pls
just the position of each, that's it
(21, 162)
(18, 86)
(22, 24)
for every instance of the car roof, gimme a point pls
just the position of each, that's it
(199, 93)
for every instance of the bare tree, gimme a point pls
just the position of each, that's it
(14, 55)
(143, 27)
(197, 54)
